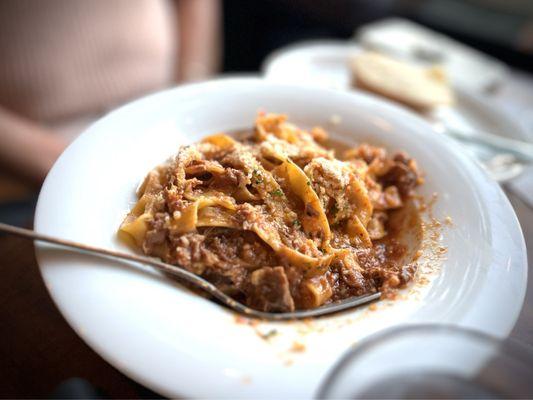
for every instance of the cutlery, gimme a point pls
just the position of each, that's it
(522, 151)
(193, 279)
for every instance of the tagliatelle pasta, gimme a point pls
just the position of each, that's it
(274, 218)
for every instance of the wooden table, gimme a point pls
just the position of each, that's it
(38, 349)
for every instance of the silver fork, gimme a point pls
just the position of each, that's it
(193, 279)
(521, 150)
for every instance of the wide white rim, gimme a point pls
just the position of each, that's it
(488, 191)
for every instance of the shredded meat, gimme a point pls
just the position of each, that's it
(269, 290)
(366, 152)
(233, 177)
(157, 233)
(402, 177)
(189, 252)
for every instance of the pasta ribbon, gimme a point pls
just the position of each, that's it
(187, 219)
(218, 217)
(134, 230)
(191, 217)
(272, 238)
(359, 196)
(213, 198)
(314, 219)
(220, 140)
(316, 291)
(356, 229)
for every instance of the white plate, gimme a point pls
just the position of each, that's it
(180, 344)
(325, 64)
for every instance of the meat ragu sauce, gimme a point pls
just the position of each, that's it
(278, 220)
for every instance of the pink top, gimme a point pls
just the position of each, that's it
(65, 59)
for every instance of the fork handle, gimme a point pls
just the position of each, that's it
(163, 267)
(518, 148)
(194, 279)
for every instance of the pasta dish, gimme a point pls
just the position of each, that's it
(276, 218)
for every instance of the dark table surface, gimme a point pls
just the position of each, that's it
(38, 349)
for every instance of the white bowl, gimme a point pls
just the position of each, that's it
(180, 344)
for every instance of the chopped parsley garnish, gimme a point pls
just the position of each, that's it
(296, 223)
(257, 177)
(308, 183)
(276, 192)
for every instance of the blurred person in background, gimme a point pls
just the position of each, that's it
(64, 63)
